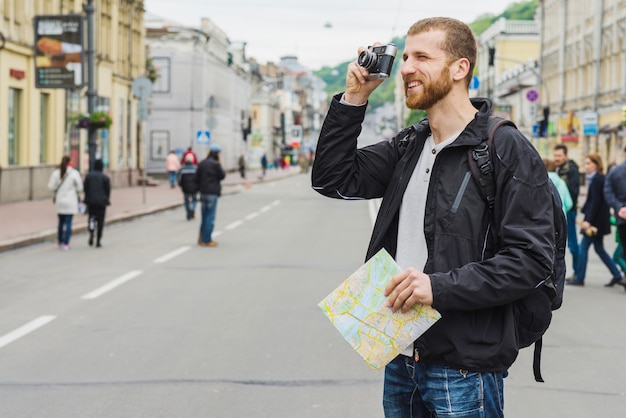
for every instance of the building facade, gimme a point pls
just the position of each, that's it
(39, 124)
(583, 64)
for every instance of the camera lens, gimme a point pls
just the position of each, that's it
(367, 60)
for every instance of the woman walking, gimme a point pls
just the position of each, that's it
(596, 223)
(66, 184)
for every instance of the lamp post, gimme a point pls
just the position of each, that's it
(91, 80)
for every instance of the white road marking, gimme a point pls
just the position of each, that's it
(170, 255)
(252, 216)
(216, 233)
(25, 329)
(275, 202)
(234, 225)
(265, 208)
(112, 285)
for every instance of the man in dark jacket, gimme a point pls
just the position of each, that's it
(186, 178)
(433, 220)
(97, 195)
(208, 178)
(615, 194)
(568, 171)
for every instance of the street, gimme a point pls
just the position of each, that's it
(152, 325)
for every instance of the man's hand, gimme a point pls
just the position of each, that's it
(622, 212)
(358, 87)
(408, 288)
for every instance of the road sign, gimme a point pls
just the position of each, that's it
(589, 121)
(203, 137)
(532, 95)
(141, 87)
(474, 83)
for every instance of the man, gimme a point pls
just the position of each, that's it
(434, 221)
(97, 198)
(568, 170)
(615, 195)
(189, 152)
(208, 178)
(186, 178)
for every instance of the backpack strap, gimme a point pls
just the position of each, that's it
(482, 170)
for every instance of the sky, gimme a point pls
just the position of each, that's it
(319, 32)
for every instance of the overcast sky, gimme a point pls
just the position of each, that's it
(318, 32)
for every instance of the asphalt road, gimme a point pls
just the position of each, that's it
(152, 325)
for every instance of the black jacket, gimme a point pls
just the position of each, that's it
(571, 175)
(97, 189)
(473, 283)
(209, 176)
(596, 209)
(615, 190)
(187, 178)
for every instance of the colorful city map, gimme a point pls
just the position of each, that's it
(357, 308)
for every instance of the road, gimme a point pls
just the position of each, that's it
(152, 325)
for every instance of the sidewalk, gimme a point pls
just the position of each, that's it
(33, 221)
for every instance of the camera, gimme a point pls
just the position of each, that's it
(378, 60)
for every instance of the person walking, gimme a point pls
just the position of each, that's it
(194, 158)
(186, 178)
(596, 223)
(97, 198)
(559, 183)
(66, 183)
(172, 166)
(436, 224)
(264, 163)
(615, 195)
(568, 170)
(242, 166)
(208, 178)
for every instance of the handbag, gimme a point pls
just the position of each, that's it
(54, 196)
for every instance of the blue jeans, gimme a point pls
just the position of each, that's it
(190, 204)
(583, 256)
(64, 230)
(572, 238)
(209, 207)
(420, 390)
(172, 178)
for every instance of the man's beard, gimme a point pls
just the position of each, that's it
(431, 93)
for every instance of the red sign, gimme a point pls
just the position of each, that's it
(19, 74)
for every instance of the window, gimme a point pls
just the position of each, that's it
(44, 108)
(14, 131)
(162, 83)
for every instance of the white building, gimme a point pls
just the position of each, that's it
(201, 96)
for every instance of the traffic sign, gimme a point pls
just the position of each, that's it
(532, 95)
(474, 83)
(203, 137)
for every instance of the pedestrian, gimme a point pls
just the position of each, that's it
(264, 163)
(66, 183)
(615, 195)
(172, 166)
(559, 183)
(187, 181)
(242, 166)
(435, 223)
(97, 198)
(208, 178)
(194, 158)
(596, 223)
(568, 170)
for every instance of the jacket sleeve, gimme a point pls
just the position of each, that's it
(594, 196)
(523, 224)
(340, 169)
(609, 192)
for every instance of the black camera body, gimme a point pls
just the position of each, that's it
(378, 60)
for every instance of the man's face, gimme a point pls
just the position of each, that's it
(559, 157)
(426, 73)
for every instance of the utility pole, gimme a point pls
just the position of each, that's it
(89, 8)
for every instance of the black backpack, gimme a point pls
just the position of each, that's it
(533, 313)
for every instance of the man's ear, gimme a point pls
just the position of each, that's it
(460, 68)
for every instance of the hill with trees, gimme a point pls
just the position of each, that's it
(335, 77)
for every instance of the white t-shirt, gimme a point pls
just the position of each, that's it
(411, 245)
